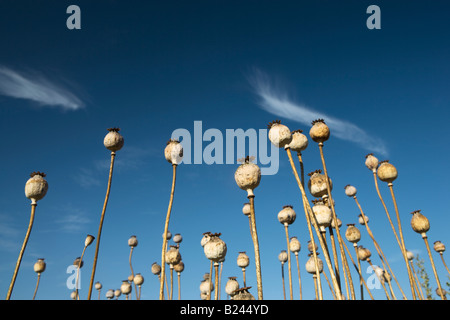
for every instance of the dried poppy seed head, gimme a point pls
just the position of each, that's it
(311, 264)
(156, 268)
(173, 152)
(317, 184)
(279, 134)
(273, 123)
(177, 238)
(409, 255)
(173, 255)
(283, 256)
(299, 141)
(89, 239)
(248, 177)
(294, 245)
(113, 141)
(420, 223)
(125, 288)
(352, 233)
(98, 285)
(39, 266)
(350, 190)
(387, 172)
(36, 187)
(215, 249)
(242, 294)
(138, 279)
(179, 267)
(231, 285)
(319, 131)
(287, 215)
(371, 162)
(361, 220)
(246, 209)
(439, 246)
(322, 214)
(243, 260)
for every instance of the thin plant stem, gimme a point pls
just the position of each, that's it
(282, 280)
(302, 169)
(359, 272)
(220, 277)
(243, 275)
(425, 239)
(97, 246)
(377, 247)
(417, 284)
(210, 279)
(99, 294)
(339, 238)
(289, 261)
(22, 250)
(411, 279)
(171, 281)
(179, 285)
(335, 257)
(358, 269)
(216, 273)
(139, 292)
(256, 247)
(443, 261)
(78, 273)
(132, 272)
(299, 278)
(329, 284)
(315, 285)
(37, 285)
(309, 214)
(166, 228)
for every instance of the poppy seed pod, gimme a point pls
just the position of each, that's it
(387, 172)
(231, 285)
(177, 238)
(133, 242)
(78, 261)
(409, 255)
(89, 240)
(215, 249)
(179, 267)
(439, 246)
(113, 141)
(243, 260)
(311, 265)
(287, 215)
(246, 209)
(371, 162)
(109, 294)
(156, 268)
(130, 278)
(203, 296)
(438, 293)
(279, 134)
(350, 190)
(294, 245)
(117, 293)
(322, 213)
(206, 237)
(173, 255)
(243, 294)
(317, 184)
(352, 234)
(299, 141)
(204, 286)
(363, 253)
(73, 295)
(283, 257)
(319, 131)
(98, 285)
(379, 272)
(310, 247)
(138, 279)
(419, 223)
(39, 266)
(36, 187)
(173, 152)
(248, 176)
(361, 220)
(339, 223)
(125, 288)
(169, 235)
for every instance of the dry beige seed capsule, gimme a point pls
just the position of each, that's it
(248, 176)
(156, 268)
(409, 255)
(322, 213)
(352, 233)
(117, 293)
(310, 247)
(89, 240)
(173, 152)
(339, 223)
(283, 257)
(317, 184)
(109, 294)
(130, 278)
(177, 238)
(133, 242)
(311, 265)
(279, 134)
(231, 285)
(125, 288)
(246, 209)
(206, 237)
(78, 261)
(36, 187)
(319, 131)
(299, 141)
(169, 235)
(98, 285)
(138, 279)
(113, 141)
(419, 223)
(439, 246)
(173, 255)
(363, 253)
(361, 220)
(243, 260)
(294, 245)
(350, 190)
(39, 266)
(438, 293)
(215, 249)
(387, 172)
(287, 215)
(243, 294)
(204, 286)
(371, 162)
(179, 267)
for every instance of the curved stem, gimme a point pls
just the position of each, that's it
(329, 284)
(97, 246)
(256, 247)
(299, 278)
(132, 272)
(37, 285)
(411, 279)
(22, 250)
(289, 261)
(425, 238)
(308, 215)
(339, 238)
(443, 261)
(282, 280)
(166, 228)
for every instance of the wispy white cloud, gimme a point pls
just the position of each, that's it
(37, 88)
(275, 100)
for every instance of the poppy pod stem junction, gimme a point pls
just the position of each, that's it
(166, 228)
(339, 237)
(308, 215)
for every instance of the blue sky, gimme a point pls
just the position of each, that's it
(156, 67)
